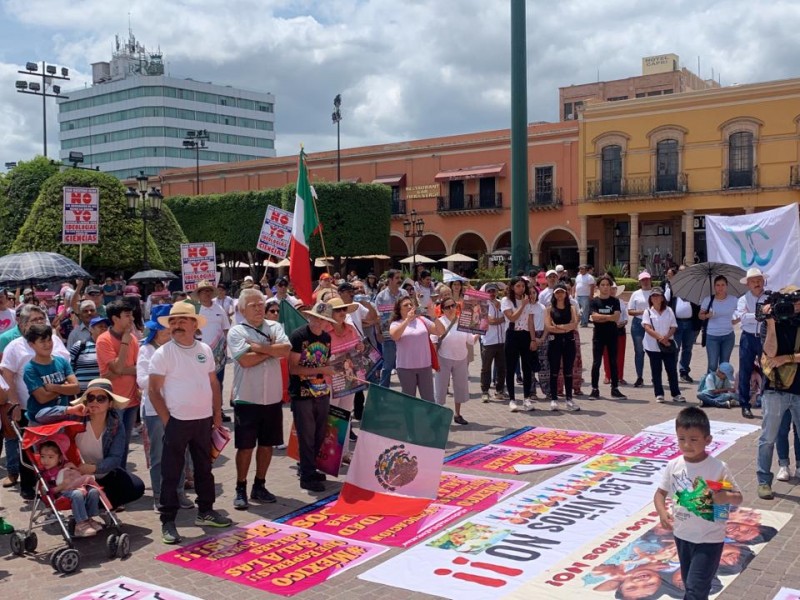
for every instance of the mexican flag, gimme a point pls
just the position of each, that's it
(304, 225)
(398, 459)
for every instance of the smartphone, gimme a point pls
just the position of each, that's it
(419, 310)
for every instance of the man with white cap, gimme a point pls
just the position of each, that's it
(750, 340)
(636, 307)
(546, 295)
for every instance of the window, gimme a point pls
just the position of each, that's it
(640, 95)
(486, 187)
(667, 166)
(568, 116)
(611, 171)
(456, 194)
(543, 185)
(740, 159)
(617, 98)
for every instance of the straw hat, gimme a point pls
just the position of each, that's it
(321, 310)
(337, 302)
(204, 285)
(183, 309)
(103, 385)
(752, 272)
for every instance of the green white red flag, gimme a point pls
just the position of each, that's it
(304, 225)
(397, 463)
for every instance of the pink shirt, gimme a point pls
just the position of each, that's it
(413, 347)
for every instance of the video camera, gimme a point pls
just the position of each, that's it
(782, 307)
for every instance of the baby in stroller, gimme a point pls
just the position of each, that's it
(63, 479)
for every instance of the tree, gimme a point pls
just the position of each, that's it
(120, 246)
(18, 191)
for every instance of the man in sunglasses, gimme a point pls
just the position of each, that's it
(282, 292)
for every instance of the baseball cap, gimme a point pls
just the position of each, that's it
(248, 278)
(94, 289)
(346, 287)
(85, 304)
(645, 275)
(551, 272)
(490, 286)
(561, 286)
(98, 320)
(559, 268)
(325, 277)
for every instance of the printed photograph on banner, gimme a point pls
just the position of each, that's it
(337, 433)
(638, 559)
(198, 262)
(474, 492)
(720, 430)
(505, 459)
(560, 440)
(125, 588)
(276, 232)
(292, 559)
(474, 317)
(662, 446)
(497, 550)
(81, 217)
(354, 367)
(386, 530)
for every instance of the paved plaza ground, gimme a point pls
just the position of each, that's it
(32, 577)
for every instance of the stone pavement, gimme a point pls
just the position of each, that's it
(32, 578)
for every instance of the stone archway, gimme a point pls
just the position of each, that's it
(398, 248)
(470, 243)
(432, 246)
(559, 246)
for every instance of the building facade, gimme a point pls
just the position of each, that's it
(135, 118)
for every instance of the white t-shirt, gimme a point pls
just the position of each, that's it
(18, 354)
(520, 324)
(639, 301)
(661, 323)
(495, 334)
(7, 319)
(454, 345)
(217, 326)
(91, 447)
(583, 284)
(681, 475)
(537, 310)
(226, 304)
(546, 296)
(187, 387)
(146, 352)
(357, 317)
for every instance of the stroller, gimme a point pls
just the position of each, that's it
(46, 510)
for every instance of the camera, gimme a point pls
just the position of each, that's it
(782, 307)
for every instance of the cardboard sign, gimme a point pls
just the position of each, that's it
(198, 262)
(276, 232)
(81, 221)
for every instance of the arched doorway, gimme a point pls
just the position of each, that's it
(469, 244)
(432, 246)
(559, 246)
(398, 249)
(501, 250)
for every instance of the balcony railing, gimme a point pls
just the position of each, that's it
(637, 187)
(545, 199)
(739, 178)
(398, 207)
(469, 202)
(794, 176)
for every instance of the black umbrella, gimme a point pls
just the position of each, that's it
(152, 275)
(30, 268)
(697, 281)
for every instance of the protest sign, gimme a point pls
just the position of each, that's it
(475, 492)
(495, 551)
(198, 262)
(559, 440)
(276, 232)
(337, 433)
(354, 367)
(638, 553)
(660, 445)
(474, 317)
(125, 588)
(386, 530)
(504, 459)
(273, 557)
(720, 430)
(81, 218)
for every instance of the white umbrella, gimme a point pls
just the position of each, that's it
(419, 259)
(372, 256)
(283, 263)
(236, 265)
(322, 262)
(269, 264)
(457, 258)
(448, 276)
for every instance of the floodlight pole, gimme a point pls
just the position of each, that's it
(48, 74)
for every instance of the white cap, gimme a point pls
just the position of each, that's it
(248, 278)
(559, 268)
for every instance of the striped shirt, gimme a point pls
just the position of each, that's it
(84, 362)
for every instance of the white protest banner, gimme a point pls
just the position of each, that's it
(125, 588)
(769, 240)
(276, 232)
(81, 222)
(198, 262)
(495, 551)
(721, 430)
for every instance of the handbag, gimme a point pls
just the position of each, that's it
(672, 348)
(434, 356)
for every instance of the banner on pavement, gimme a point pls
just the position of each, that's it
(198, 262)
(506, 459)
(560, 440)
(125, 588)
(661, 446)
(276, 232)
(81, 219)
(720, 430)
(475, 492)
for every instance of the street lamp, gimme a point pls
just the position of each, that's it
(337, 118)
(48, 74)
(414, 228)
(145, 205)
(196, 139)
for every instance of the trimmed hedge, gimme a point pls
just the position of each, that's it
(18, 191)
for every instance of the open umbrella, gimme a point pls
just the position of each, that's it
(457, 258)
(697, 281)
(419, 259)
(152, 275)
(30, 268)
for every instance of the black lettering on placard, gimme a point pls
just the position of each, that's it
(519, 546)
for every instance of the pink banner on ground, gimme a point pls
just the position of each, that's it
(562, 440)
(125, 588)
(661, 446)
(273, 557)
(504, 459)
(474, 492)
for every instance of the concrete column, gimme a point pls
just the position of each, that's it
(633, 262)
(583, 245)
(689, 218)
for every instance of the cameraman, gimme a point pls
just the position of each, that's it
(781, 355)
(750, 342)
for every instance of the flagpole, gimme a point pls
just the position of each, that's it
(80, 255)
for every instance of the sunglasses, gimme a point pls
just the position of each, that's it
(273, 311)
(94, 294)
(448, 306)
(100, 399)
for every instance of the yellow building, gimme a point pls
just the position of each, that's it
(650, 169)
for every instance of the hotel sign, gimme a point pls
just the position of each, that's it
(415, 192)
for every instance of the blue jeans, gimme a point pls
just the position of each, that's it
(155, 431)
(749, 351)
(389, 361)
(782, 442)
(583, 302)
(637, 335)
(85, 502)
(685, 338)
(12, 456)
(716, 400)
(128, 420)
(718, 350)
(774, 405)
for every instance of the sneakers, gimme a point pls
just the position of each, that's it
(500, 396)
(259, 493)
(169, 533)
(240, 500)
(685, 377)
(571, 406)
(660, 399)
(783, 474)
(765, 491)
(553, 405)
(615, 393)
(85, 529)
(185, 502)
(747, 413)
(527, 404)
(678, 398)
(485, 398)
(638, 383)
(312, 485)
(595, 393)
(727, 403)
(513, 406)
(212, 518)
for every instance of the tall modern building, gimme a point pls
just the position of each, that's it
(135, 118)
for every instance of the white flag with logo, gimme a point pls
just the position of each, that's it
(769, 240)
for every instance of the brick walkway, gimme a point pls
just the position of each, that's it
(32, 578)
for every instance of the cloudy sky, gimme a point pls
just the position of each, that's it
(406, 69)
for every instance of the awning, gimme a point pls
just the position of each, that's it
(472, 172)
(390, 179)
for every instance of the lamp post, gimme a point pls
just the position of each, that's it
(196, 139)
(337, 118)
(48, 74)
(145, 205)
(414, 228)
